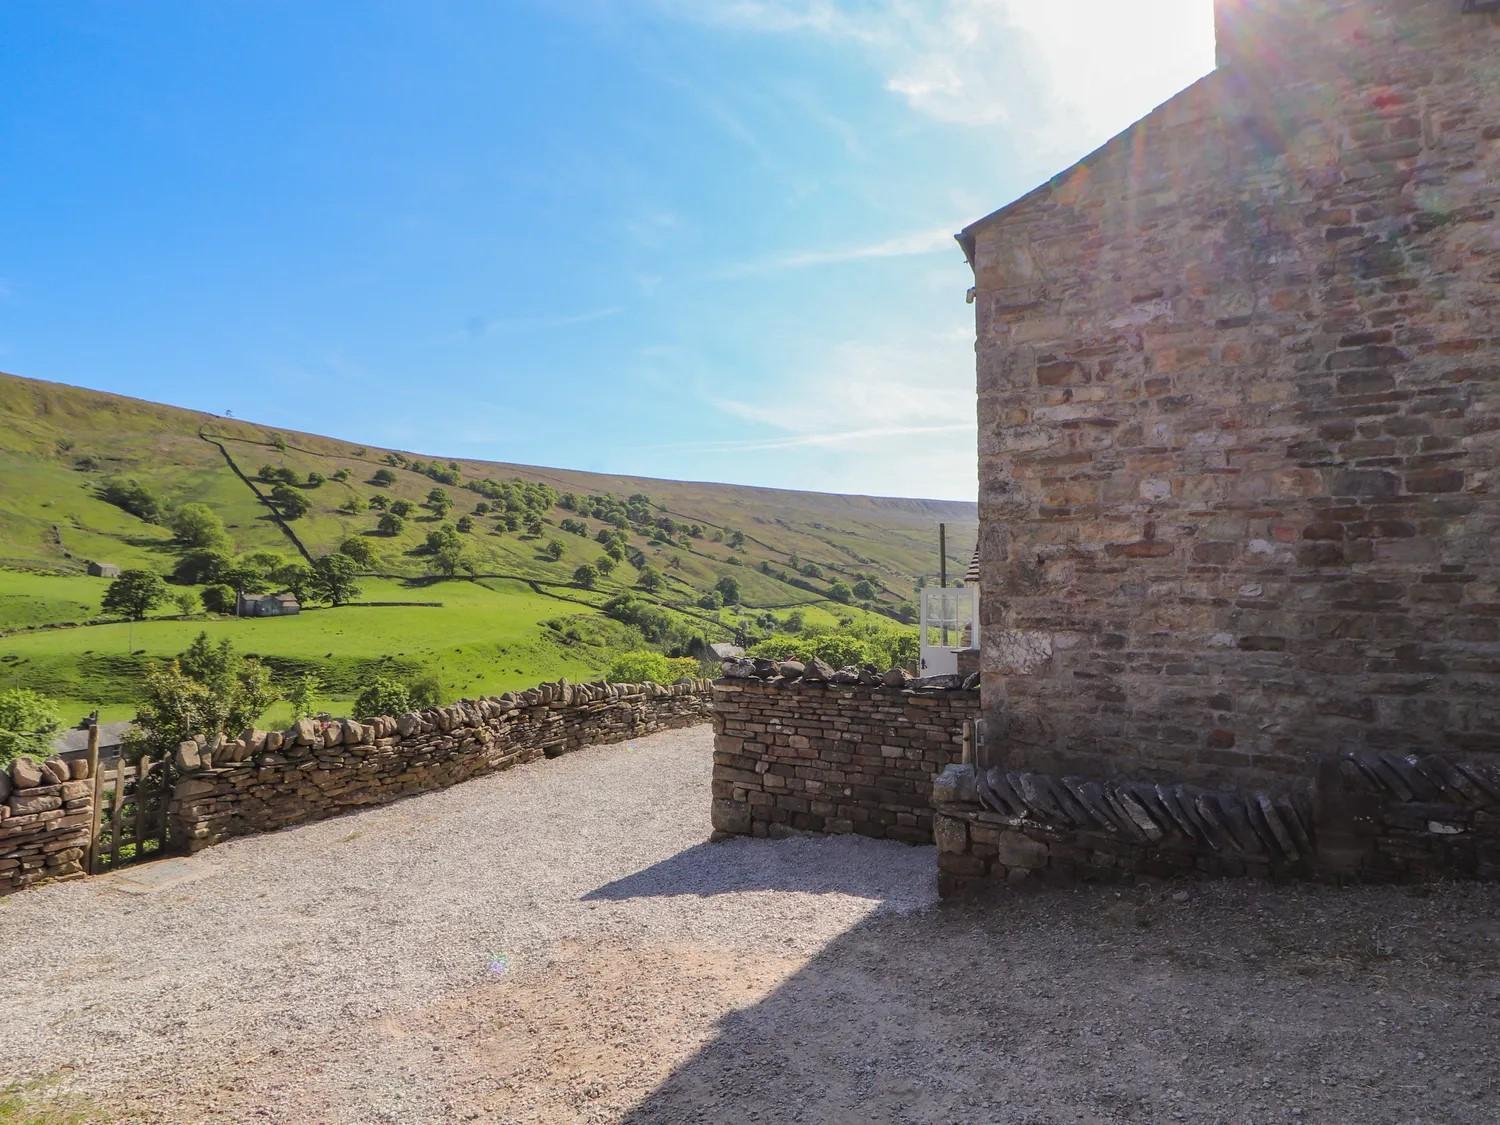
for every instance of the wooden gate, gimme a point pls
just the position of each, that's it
(130, 809)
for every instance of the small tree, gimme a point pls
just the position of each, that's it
(863, 590)
(298, 579)
(553, 550)
(466, 524)
(728, 589)
(650, 579)
(604, 564)
(533, 524)
(334, 578)
(219, 599)
(28, 721)
(187, 605)
(300, 692)
(291, 503)
(380, 501)
(390, 523)
(586, 576)
(134, 594)
(840, 592)
(383, 696)
(358, 548)
(314, 479)
(384, 477)
(402, 508)
(341, 475)
(196, 525)
(352, 506)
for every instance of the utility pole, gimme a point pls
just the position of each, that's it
(943, 555)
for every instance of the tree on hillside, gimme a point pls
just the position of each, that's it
(533, 524)
(650, 579)
(380, 501)
(296, 578)
(736, 539)
(390, 524)
(402, 508)
(134, 594)
(840, 592)
(132, 496)
(604, 564)
(218, 599)
(553, 550)
(728, 589)
(198, 567)
(291, 503)
(335, 579)
(465, 524)
(197, 525)
(383, 477)
(341, 475)
(186, 604)
(314, 479)
(439, 500)
(358, 548)
(863, 590)
(585, 576)
(352, 506)
(28, 721)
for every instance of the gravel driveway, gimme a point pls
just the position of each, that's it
(559, 943)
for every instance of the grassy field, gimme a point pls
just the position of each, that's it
(521, 620)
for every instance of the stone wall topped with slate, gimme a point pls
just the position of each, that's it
(1368, 817)
(855, 755)
(263, 781)
(46, 817)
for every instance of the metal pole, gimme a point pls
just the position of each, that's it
(943, 555)
(91, 861)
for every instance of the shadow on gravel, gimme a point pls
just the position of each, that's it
(1222, 1003)
(850, 865)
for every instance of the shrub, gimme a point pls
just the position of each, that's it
(197, 567)
(131, 496)
(390, 523)
(300, 693)
(384, 478)
(553, 550)
(840, 592)
(186, 604)
(642, 666)
(586, 576)
(863, 590)
(383, 696)
(218, 599)
(728, 589)
(27, 722)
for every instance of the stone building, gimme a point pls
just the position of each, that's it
(1239, 412)
(104, 570)
(267, 605)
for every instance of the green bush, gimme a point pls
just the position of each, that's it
(218, 599)
(852, 645)
(642, 666)
(27, 722)
(383, 696)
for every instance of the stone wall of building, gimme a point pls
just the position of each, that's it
(814, 756)
(264, 781)
(1369, 816)
(46, 817)
(1239, 414)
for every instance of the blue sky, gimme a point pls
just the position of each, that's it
(702, 239)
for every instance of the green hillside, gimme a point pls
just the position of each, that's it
(510, 613)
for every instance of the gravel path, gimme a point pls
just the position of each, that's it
(560, 944)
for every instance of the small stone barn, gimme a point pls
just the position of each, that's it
(1239, 412)
(104, 570)
(267, 605)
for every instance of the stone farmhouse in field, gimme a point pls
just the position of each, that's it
(1239, 412)
(267, 605)
(103, 570)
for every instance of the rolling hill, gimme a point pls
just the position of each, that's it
(514, 615)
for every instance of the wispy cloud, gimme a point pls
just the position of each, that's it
(478, 327)
(1064, 73)
(916, 244)
(832, 440)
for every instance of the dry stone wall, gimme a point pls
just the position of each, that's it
(46, 817)
(1239, 413)
(1369, 816)
(854, 756)
(264, 781)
